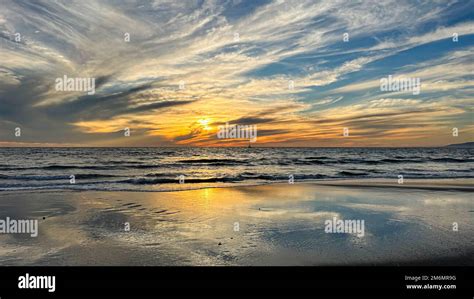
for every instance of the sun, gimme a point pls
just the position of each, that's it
(204, 122)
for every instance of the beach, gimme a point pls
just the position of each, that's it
(272, 224)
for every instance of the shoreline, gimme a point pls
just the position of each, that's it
(448, 184)
(436, 184)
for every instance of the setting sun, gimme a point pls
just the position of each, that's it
(204, 122)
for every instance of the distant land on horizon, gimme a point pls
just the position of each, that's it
(462, 145)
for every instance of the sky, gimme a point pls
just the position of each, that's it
(172, 72)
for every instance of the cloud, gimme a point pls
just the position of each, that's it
(236, 60)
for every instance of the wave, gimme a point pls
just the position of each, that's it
(451, 160)
(85, 167)
(55, 177)
(148, 181)
(138, 184)
(56, 167)
(310, 162)
(254, 176)
(313, 160)
(401, 161)
(317, 158)
(150, 169)
(350, 173)
(216, 162)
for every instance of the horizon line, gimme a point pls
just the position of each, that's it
(263, 147)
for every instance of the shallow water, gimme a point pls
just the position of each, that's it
(277, 225)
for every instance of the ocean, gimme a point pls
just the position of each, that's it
(166, 169)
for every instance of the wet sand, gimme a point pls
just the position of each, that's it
(279, 224)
